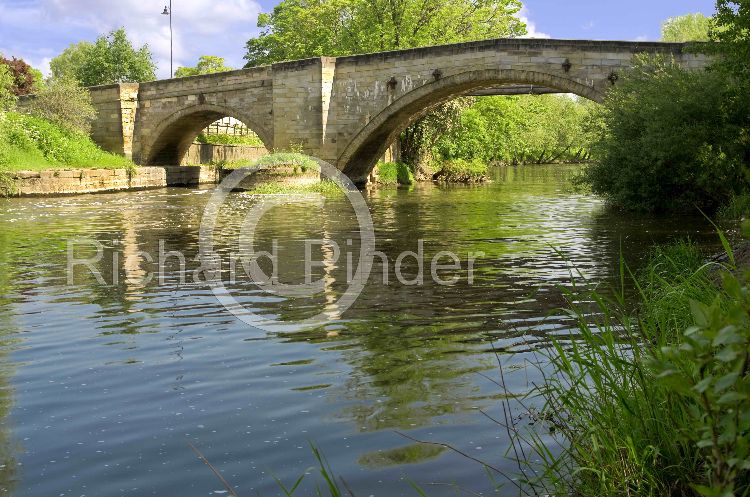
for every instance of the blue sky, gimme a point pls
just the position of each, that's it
(38, 30)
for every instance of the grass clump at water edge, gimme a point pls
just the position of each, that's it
(657, 403)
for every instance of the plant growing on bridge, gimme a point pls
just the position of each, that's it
(111, 59)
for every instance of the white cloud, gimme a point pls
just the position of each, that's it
(641, 38)
(201, 27)
(530, 26)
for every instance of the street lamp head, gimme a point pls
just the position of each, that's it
(166, 11)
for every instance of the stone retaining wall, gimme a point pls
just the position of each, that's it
(74, 181)
(206, 153)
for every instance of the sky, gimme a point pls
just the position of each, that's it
(38, 30)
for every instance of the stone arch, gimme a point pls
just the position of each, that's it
(370, 143)
(172, 137)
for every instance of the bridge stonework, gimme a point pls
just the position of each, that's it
(347, 110)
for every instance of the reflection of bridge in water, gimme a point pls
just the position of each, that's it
(347, 110)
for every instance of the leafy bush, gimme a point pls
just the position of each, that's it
(64, 102)
(394, 173)
(667, 144)
(709, 373)
(29, 142)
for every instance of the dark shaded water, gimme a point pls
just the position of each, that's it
(104, 385)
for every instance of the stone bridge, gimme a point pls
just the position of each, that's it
(348, 110)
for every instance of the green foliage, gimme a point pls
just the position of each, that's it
(24, 76)
(111, 59)
(521, 130)
(418, 141)
(690, 27)
(737, 208)
(32, 143)
(298, 160)
(675, 275)
(628, 398)
(7, 97)
(345, 27)
(667, 144)
(462, 171)
(732, 32)
(394, 173)
(207, 64)
(251, 140)
(709, 373)
(64, 102)
(304, 162)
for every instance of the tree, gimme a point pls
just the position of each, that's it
(668, 143)
(64, 102)
(111, 59)
(690, 27)
(24, 76)
(520, 130)
(207, 64)
(732, 32)
(7, 97)
(345, 27)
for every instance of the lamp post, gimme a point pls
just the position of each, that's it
(168, 12)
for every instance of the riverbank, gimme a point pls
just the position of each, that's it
(50, 182)
(654, 402)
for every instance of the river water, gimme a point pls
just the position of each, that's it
(103, 386)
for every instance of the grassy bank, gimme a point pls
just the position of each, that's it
(33, 143)
(656, 403)
(300, 162)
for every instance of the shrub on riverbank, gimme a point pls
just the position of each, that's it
(669, 142)
(394, 173)
(462, 171)
(32, 143)
(64, 102)
(658, 405)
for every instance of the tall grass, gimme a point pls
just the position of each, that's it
(32, 143)
(640, 404)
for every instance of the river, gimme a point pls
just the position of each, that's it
(103, 385)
